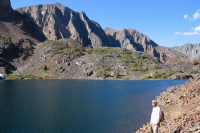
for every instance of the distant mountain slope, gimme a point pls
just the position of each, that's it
(132, 39)
(190, 50)
(56, 22)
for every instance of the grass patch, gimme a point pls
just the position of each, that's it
(162, 75)
(104, 73)
(12, 76)
(195, 72)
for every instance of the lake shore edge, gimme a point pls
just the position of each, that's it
(181, 109)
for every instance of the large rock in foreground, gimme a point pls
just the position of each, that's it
(181, 105)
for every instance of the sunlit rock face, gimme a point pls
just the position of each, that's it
(57, 22)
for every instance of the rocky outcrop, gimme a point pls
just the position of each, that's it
(132, 37)
(7, 14)
(55, 22)
(6, 11)
(181, 109)
(190, 50)
(6, 67)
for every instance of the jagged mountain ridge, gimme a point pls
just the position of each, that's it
(190, 50)
(56, 21)
(132, 39)
(127, 37)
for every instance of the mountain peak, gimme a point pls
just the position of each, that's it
(60, 6)
(56, 21)
(109, 30)
(190, 50)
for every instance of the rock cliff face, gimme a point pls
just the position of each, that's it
(190, 50)
(132, 39)
(181, 109)
(17, 35)
(55, 22)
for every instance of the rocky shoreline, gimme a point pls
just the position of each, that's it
(181, 107)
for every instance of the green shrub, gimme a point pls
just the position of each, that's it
(134, 69)
(104, 73)
(107, 69)
(195, 72)
(116, 73)
(162, 75)
(155, 67)
(147, 77)
(7, 41)
(137, 69)
(45, 68)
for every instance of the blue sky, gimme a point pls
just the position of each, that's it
(167, 22)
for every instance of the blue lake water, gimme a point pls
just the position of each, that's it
(77, 106)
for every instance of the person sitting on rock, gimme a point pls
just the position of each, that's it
(155, 117)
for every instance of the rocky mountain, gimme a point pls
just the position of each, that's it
(136, 41)
(67, 33)
(190, 50)
(55, 22)
(18, 36)
(67, 59)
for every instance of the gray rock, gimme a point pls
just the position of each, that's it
(190, 50)
(57, 22)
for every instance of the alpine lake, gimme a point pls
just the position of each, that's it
(78, 106)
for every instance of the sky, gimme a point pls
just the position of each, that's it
(167, 22)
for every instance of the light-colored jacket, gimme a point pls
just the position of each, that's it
(156, 115)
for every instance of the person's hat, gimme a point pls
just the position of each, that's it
(154, 101)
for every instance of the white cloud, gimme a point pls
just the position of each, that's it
(195, 16)
(186, 16)
(177, 33)
(196, 31)
(197, 28)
